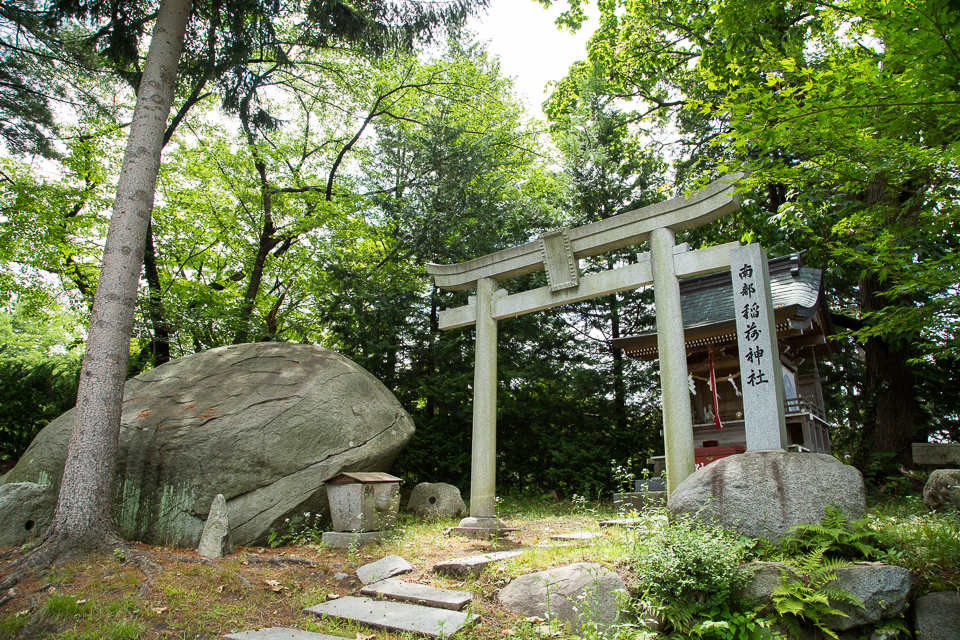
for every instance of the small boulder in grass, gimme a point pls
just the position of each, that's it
(437, 500)
(582, 595)
(942, 491)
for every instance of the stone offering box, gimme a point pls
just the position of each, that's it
(363, 501)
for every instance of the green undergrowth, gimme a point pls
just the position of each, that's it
(685, 574)
(927, 543)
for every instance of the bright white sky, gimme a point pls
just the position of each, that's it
(531, 48)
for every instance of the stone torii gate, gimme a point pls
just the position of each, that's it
(558, 252)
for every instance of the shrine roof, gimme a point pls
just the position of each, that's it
(707, 304)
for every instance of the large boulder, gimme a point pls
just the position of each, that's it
(264, 424)
(578, 595)
(762, 494)
(942, 491)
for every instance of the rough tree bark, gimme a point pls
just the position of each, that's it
(891, 387)
(83, 519)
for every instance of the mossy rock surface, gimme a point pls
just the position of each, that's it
(264, 424)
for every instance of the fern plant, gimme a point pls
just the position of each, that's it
(835, 536)
(812, 596)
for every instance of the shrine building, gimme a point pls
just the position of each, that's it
(710, 334)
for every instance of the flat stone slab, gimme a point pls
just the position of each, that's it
(419, 594)
(481, 533)
(621, 522)
(345, 540)
(473, 564)
(395, 616)
(279, 633)
(382, 569)
(577, 535)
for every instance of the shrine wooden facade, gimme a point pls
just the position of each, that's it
(802, 324)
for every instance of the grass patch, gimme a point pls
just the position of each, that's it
(927, 543)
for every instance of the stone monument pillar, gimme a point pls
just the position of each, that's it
(760, 377)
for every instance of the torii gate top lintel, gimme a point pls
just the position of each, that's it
(677, 214)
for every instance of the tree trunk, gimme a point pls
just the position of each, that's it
(891, 394)
(892, 410)
(84, 515)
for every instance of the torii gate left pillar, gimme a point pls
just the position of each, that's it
(483, 476)
(558, 253)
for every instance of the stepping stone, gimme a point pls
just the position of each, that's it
(578, 535)
(395, 616)
(621, 522)
(279, 633)
(382, 569)
(419, 594)
(471, 565)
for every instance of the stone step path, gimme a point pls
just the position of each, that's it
(419, 594)
(395, 616)
(621, 522)
(382, 569)
(576, 536)
(279, 633)
(463, 567)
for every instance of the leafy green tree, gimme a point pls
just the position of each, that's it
(606, 174)
(39, 370)
(842, 113)
(83, 518)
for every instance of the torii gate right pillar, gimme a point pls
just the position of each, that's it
(677, 418)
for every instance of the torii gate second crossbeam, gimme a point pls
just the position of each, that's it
(558, 253)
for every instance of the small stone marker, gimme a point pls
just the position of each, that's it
(382, 569)
(279, 633)
(577, 535)
(419, 594)
(462, 567)
(215, 540)
(395, 616)
(760, 370)
(437, 500)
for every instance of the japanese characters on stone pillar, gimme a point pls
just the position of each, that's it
(757, 342)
